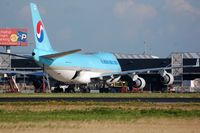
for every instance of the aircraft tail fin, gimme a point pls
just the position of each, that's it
(40, 35)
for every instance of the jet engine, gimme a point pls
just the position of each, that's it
(138, 82)
(166, 78)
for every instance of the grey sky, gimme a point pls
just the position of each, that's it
(111, 25)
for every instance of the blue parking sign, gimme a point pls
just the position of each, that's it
(22, 36)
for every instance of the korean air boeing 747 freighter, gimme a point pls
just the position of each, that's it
(73, 67)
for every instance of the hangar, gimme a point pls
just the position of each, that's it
(183, 76)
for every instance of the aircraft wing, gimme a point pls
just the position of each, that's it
(140, 71)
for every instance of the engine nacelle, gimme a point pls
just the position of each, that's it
(138, 82)
(166, 78)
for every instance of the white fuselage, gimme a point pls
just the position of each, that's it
(71, 76)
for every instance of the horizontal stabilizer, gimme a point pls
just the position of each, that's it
(56, 55)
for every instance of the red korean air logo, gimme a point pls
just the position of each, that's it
(40, 32)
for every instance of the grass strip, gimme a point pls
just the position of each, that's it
(94, 114)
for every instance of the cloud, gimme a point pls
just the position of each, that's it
(181, 6)
(133, 9)
(134, 16)
(25, 12)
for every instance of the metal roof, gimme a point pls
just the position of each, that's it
(189, 55)
(134, 56)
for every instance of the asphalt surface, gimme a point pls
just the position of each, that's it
(105, 99)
